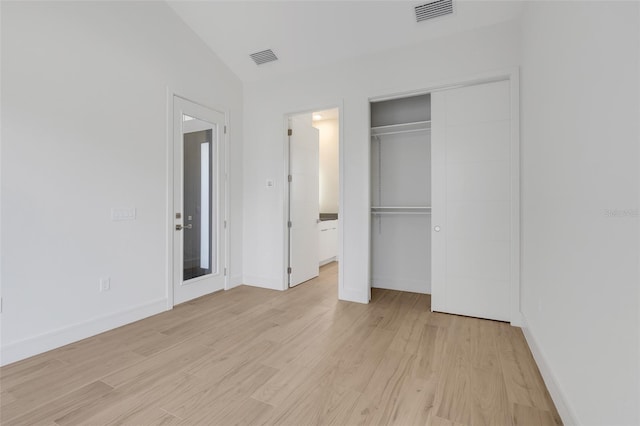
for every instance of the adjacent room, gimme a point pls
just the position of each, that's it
(313, 212)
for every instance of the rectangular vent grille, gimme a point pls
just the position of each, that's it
(433, 9)
(263, 57)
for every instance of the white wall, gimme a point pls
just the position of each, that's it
(329, 170)
(347, 84)
(84, 129)
(579, 164)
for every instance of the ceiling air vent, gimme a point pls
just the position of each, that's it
(434, 9)
(263, 57)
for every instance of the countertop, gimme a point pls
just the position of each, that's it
(328, 216)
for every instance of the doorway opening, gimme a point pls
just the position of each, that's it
(313, 193)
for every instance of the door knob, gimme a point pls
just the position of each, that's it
(436, 228)
(180, 227)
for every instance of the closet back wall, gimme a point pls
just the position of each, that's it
(351, 83)
(401, 194)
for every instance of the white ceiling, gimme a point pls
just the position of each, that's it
(305, 34)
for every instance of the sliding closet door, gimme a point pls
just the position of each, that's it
(472, 201)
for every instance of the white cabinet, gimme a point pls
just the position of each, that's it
(328, 241)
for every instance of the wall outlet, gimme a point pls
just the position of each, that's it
(105, 284)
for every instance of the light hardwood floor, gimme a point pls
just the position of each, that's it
(300, 357)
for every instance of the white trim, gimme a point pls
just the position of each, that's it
(341, 198)
(226, 219)
(451, 83)
(567, 414)
(516, 249)
(511, 74)
(35, 345)
(369, 275)
(285, 187)
(169, 201)
(196, 280)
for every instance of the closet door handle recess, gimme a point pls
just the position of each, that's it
(436, 228)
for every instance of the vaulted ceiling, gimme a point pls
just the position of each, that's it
(305, 34)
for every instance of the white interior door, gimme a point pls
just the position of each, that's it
(304, 204)
(472, 201)
(199, 197)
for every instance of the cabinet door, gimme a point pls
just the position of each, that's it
(472, 201)
(328, 241)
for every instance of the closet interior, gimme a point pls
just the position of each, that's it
(401, 194)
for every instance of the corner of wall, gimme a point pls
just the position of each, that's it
(235, 281)
(558, 396)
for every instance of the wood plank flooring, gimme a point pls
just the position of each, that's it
(301, 357)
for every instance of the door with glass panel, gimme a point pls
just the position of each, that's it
(199, 195)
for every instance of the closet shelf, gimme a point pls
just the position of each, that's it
(395, 129)
(377, 210)
(402, 207)
(426, 213)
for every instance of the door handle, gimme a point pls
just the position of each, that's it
(436, 228)
(180, 227)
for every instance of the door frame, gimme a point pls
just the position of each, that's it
(285, 190)
(513, 76)
(170, 208)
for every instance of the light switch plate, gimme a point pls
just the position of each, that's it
(123, 214)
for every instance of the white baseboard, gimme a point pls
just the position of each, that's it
(567, 414)
(35, 345)
(262, 282)
(326, 261)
